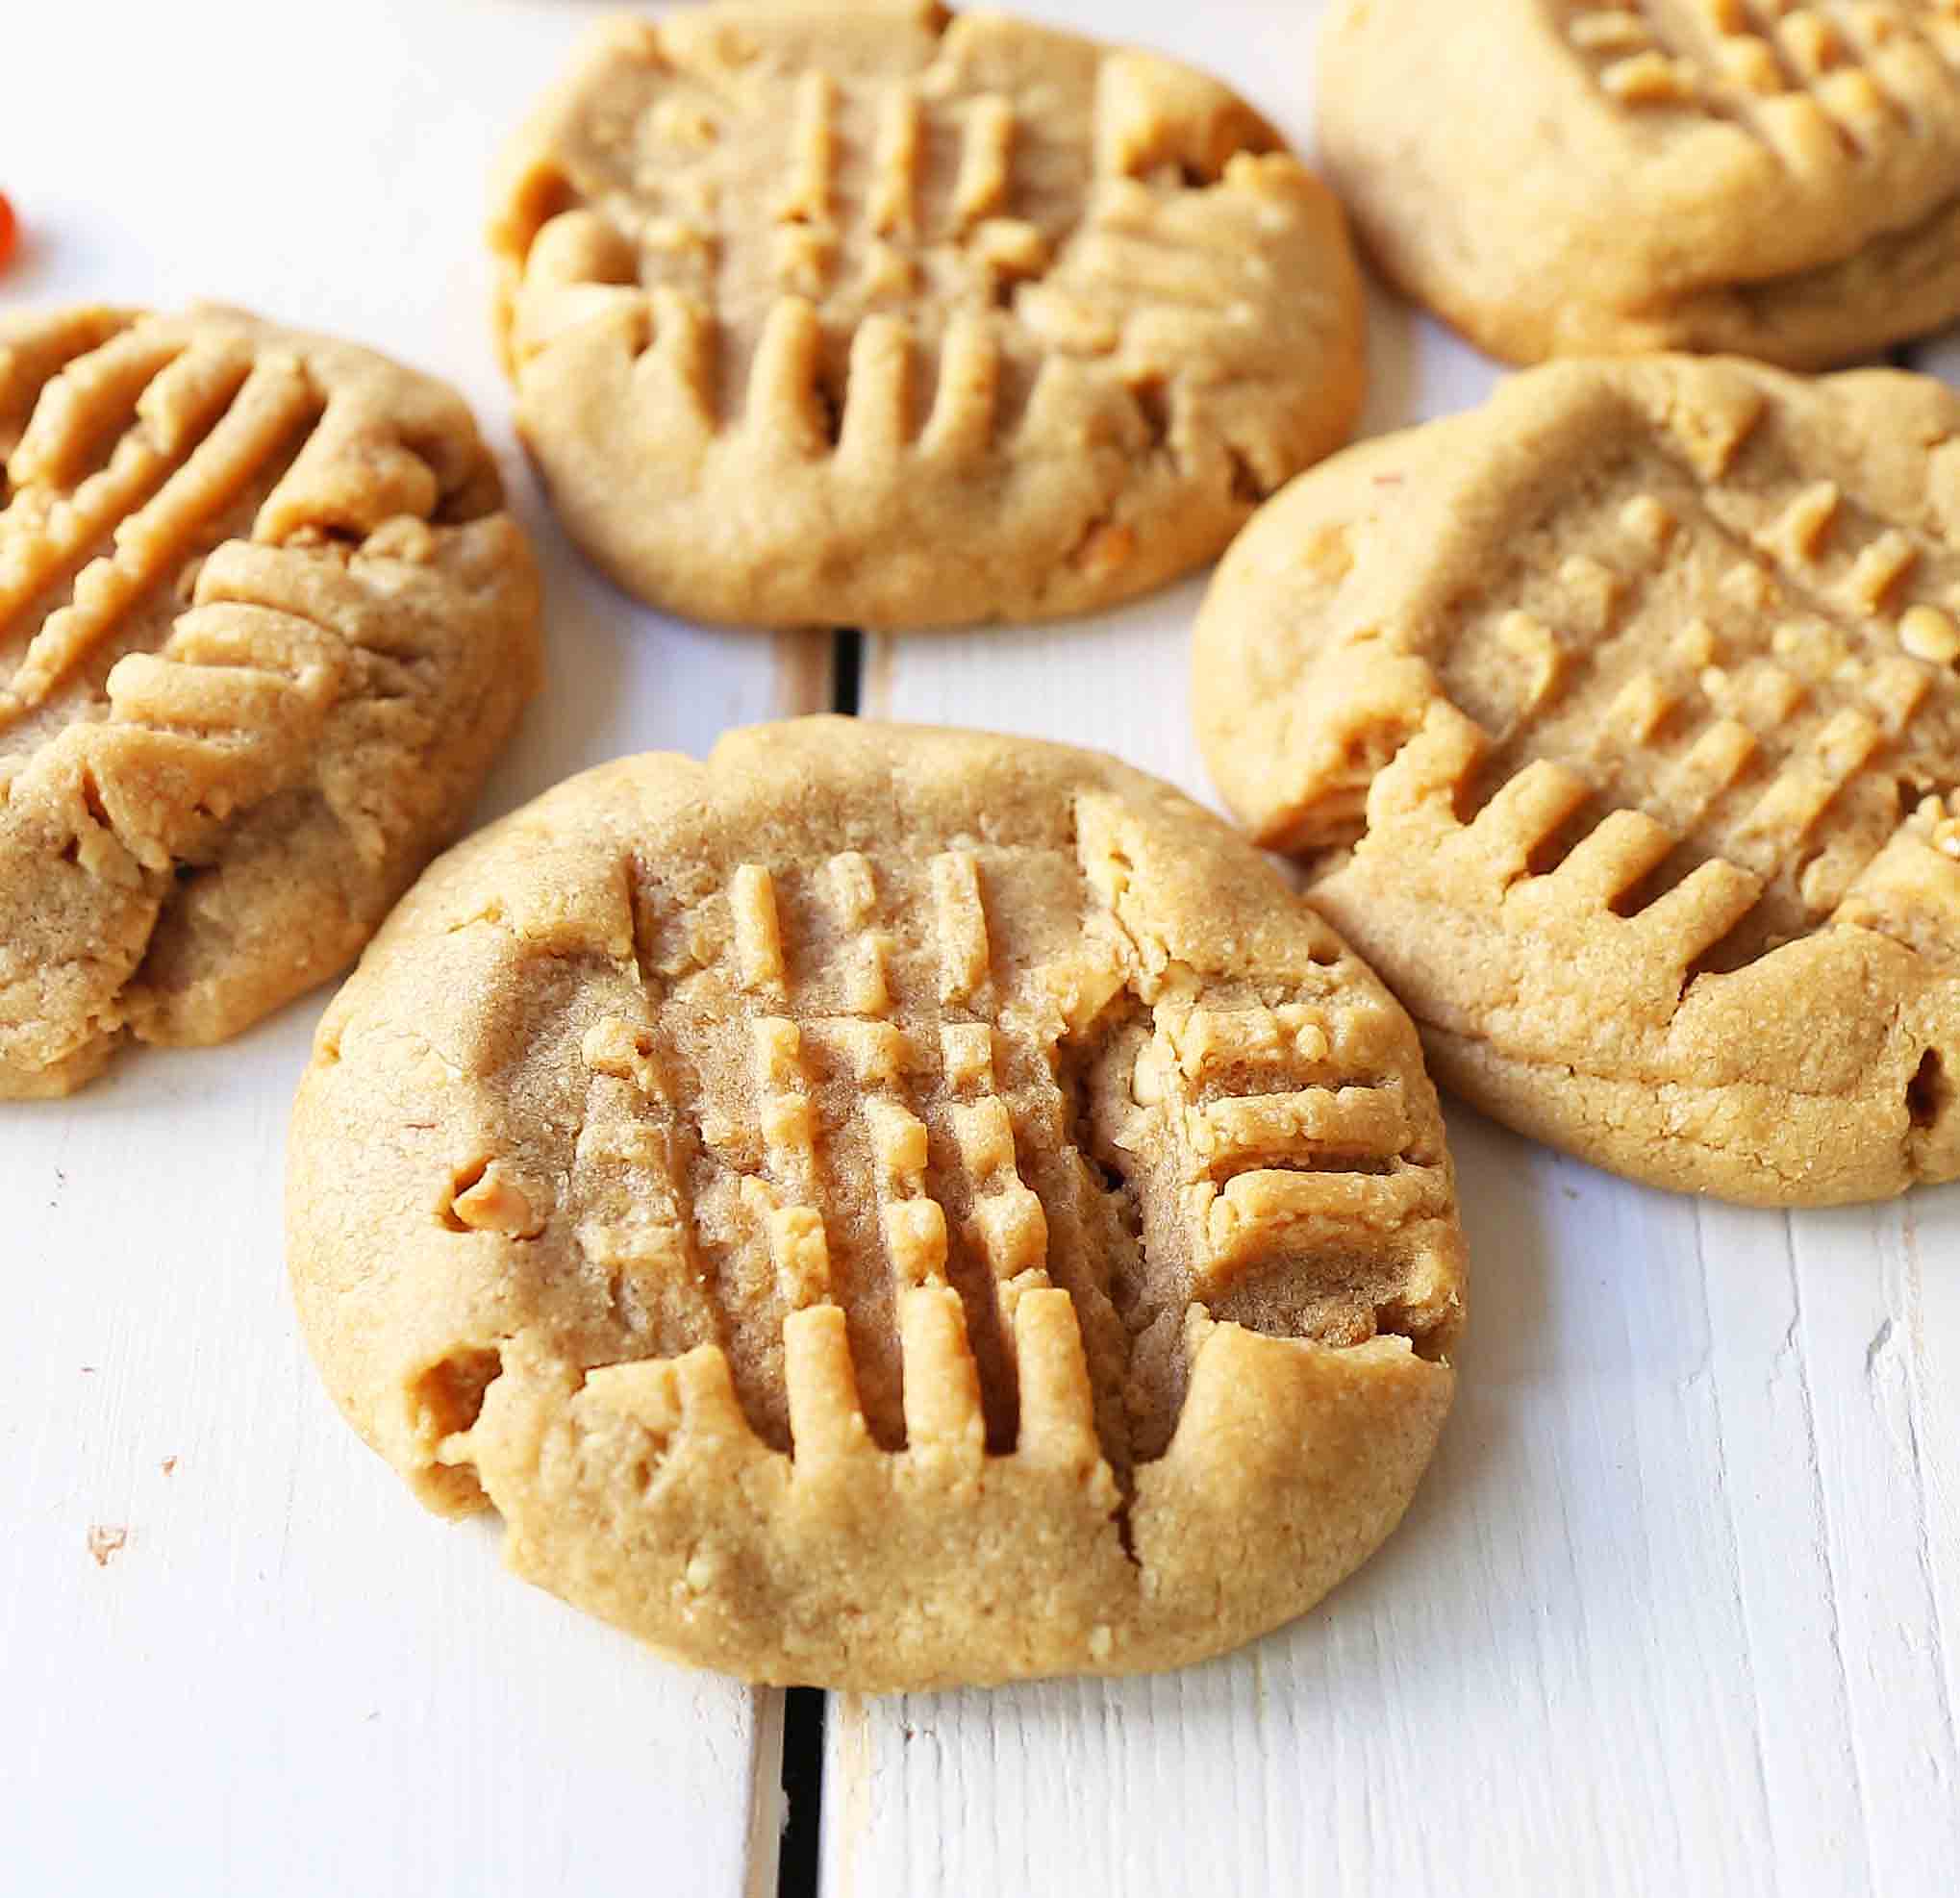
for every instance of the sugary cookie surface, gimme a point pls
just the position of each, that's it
(884, 1208)
(262, 626)
(889, 316)
(1641, 784)
(1757, 176)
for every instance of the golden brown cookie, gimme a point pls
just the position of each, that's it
(1563, 177)
(1623, 720)
(264, 625)
(884, 1208)
(888, 317)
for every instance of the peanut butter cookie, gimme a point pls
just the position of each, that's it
(264, 625)
(1621, 720)
(885, 317)
(1564, 177)
(884, 1207)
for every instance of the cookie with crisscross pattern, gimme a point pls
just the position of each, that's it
(264, 625)
(1622, 719)
(887, 317)
(1564, 177)
(884, 1208)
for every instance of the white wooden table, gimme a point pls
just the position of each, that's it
(1678, 1607)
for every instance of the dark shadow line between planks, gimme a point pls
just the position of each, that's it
(798, 1866)
(847, 673)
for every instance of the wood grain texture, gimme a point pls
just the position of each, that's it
(1677, 1606)
(235, 1656)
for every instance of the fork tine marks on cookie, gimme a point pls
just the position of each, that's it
(939, 1379)
(1860, 105)
(1253, 1216)
(1425, 775)
(225, 698)
(329, 597)
(1905, 55)
(68, 411)
(274, 401)
(627, 1169)
(1258, 1167)
(676, 371)
(1688, 920)
(179, 407)
(174, 720)
(1718, 759)
(853, 888)
(787, 1203)
(1247, 1132)
(967, 1051)
(784, 407)
(983, 185)
(965, 957)
(172, 412)
(827, 1425)
(913, 1223)
(313, 493)
(758, 935)
(1800, 795)
(892, 205)
(1121, 270)
(1882, 565)
(814, 144)
(1304, 1043)
(866, 964)
(31, 357)
(230, 634)
(550, 314)
(877, 411)
(710, 1408)
(1526, 809)
(1533, 644)
(1639, 708)
(1797, 535)
(1895, 687)
(942, 1414)
(1007, 1222)
(965, 404)
(1057, 1401)
(1624, 847)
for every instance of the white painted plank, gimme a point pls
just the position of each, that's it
(1868, 1354)
(1675, 1608)
(288, 1678)
(1836, 1340)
